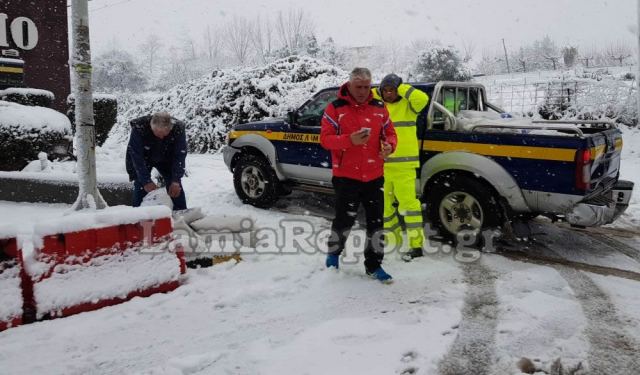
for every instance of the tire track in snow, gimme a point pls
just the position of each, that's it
(558, 261)
(619, 246)
(472, 352)
(612, 350)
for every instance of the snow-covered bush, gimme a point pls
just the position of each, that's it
(25, 131)
(27, 96)
(210, 106)
(441, 64)
(105, 112)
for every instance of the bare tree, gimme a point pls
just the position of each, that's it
(554, 60)
(395, 55)
(150, 49)
(522, 57)
(588, 55)
(569, 55)
(619, 52)
(489, 63)
(468, 49)
(292, 29)
(262, 39)
(188, 46)
(332, 53)
(548, 50)
(212, 44)
(387, 57)
(237, 35)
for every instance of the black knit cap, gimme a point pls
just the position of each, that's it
(390, 80)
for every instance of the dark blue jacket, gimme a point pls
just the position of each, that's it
(146, 151)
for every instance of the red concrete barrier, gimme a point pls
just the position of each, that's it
(84, 263)
(11, 298)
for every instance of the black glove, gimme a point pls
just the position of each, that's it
(391, 80)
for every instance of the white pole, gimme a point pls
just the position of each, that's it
(85, 140)
(638, 69)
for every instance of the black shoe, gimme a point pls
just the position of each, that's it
(416, 252)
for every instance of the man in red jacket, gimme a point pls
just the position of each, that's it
(357, 130)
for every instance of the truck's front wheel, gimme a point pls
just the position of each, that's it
(457, 203)
(255, 181)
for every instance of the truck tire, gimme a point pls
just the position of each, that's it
(255, 181)
(456, 202)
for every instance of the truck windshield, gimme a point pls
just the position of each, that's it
(311, 112)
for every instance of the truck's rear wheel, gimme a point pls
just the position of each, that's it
(255, 181)
(457, 203)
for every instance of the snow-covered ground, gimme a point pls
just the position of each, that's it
(282, 312)
(630, 170)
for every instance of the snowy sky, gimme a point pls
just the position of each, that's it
(365, 22)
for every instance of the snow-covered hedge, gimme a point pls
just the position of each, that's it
(25, 131)
(105, 114)
(27, 96)
(210, 106)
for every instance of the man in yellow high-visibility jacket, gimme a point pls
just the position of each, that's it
(404, 103)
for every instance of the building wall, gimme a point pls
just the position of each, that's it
(47, 61)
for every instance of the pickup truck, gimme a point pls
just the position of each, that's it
(480, 168)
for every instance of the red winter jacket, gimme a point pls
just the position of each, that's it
(344, 116)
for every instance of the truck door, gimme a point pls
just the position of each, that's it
(301, 155)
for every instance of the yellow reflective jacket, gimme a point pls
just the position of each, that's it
(403, 114)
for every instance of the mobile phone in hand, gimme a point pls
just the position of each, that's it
(367, 131)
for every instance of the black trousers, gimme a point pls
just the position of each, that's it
(349, 195)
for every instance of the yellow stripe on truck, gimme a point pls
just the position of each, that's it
(278, 136)
(9, 69)
(487, 149)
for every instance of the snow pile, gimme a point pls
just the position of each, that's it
(210, 106)
(103, 278)
(27, 130)
(78, 221)
(10, 291)
(96, 97)
(75, 280)
(22, 91)
(10, 229)
(9, 60)
(24, 120)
